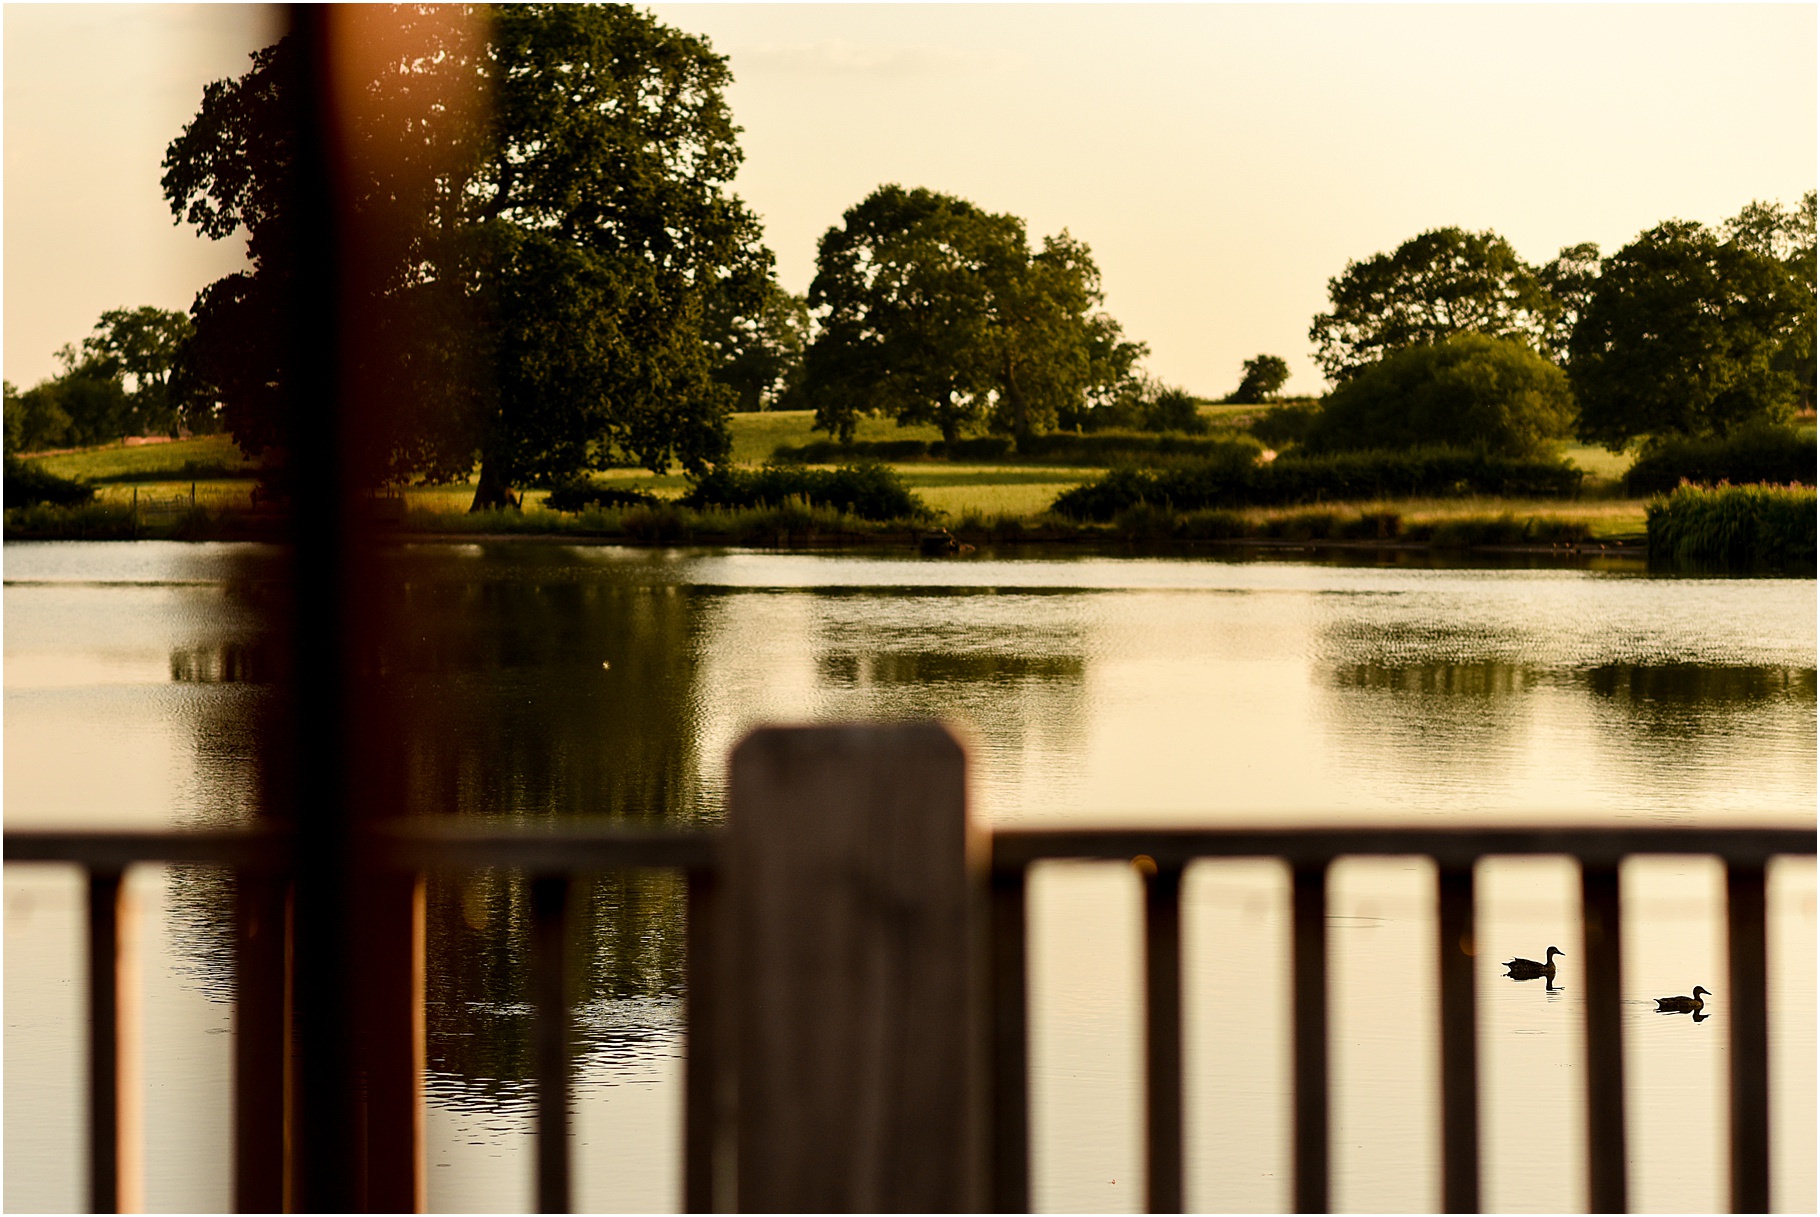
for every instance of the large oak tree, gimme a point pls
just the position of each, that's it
(932, 310)
(1688, 332)
(552, 254)
(1443, 282)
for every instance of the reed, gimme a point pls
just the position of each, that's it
(1740, 529)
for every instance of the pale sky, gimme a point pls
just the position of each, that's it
(1222, 161)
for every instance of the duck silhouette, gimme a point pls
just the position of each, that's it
(1683, 1005)
(1529, 969)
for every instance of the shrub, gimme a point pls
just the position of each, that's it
(28, 484)
(871, 492)
(1335, 477)
(1778, 455)
(1767, 529)
(580, 495)
(1286, 425)
(1467, 391)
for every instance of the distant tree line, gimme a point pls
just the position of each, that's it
(117, 382)
(1685, 332)
(571, 284)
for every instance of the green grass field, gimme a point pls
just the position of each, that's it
(112, 461)
(957, 492)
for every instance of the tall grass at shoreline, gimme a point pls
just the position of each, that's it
(1739, 529)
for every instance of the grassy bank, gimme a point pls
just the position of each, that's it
(978, 501)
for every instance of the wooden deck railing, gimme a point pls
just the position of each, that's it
(845, 1050)
(1309, 853)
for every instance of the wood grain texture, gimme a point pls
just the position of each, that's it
(856, 894)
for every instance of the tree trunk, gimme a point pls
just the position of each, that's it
(493, 491)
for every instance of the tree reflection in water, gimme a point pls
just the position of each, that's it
(531, 689)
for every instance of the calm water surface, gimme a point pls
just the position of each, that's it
(554, 679)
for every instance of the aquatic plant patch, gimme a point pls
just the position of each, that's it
(1743, 529)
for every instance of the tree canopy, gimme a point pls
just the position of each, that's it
(1693, 332)
(1496, 395)
(115, 383)
(555, 255)
(1262, 379)
(1443, 282)
(932, 310)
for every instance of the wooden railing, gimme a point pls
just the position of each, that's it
(1164, 854)
(845, 1049)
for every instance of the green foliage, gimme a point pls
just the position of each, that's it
(576, 495)
(143, 347)
(871, 492)
(758, 351)
(34, 419)
(1287, 424)
(28, 485)
(1570, 278)
(1144, 403)
(1689, 334)
(1505, 529)
(1096, 449)
(1467, 391)
(1764, 529)
(1444, 282)
(934, 311)
(549, 261)
(1263, 378)
(1337, 477)
(1778, 455)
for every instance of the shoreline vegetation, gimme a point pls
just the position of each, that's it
(203, 489)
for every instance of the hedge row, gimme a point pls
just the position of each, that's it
(27, 484)
(1095, 449)
(871, 492)
(1336, 477)
(1766, 529)
(1777, 455)
(581, 495)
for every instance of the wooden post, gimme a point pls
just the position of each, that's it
(1309, 914)
(1459, 1045)
(262, 1042)
(1601, 949)
(1749, 1008)
(855, 892)
(1162, 1037)
(1009, 1152)
(115, 1175)
(707, 1112)
(393, 1042)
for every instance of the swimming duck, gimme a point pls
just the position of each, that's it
(1529, 969)
(1682, 1005)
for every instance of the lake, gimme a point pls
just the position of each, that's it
(551, 678)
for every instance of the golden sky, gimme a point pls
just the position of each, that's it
(1222, 161)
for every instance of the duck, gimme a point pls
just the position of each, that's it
(1682, 1005)
(1529, 969)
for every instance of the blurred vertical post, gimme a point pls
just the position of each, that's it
(357, 205)
(857, 886)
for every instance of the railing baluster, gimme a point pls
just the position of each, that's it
(1010, 1150)
(1604, 1037)
(550, 984)
(1459, 1050)
(704, 1069)
(1163, 1038)
(1310, 968)
(262, 1042)
(1747, 1004)
(114, 1134)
